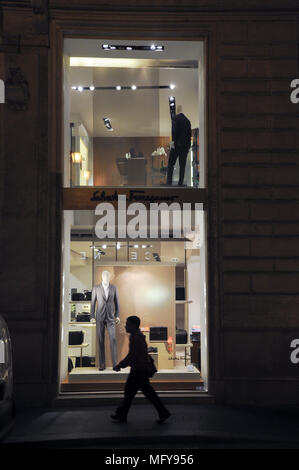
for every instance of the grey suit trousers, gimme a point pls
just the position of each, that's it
(101, 325)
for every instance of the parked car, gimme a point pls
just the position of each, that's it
(7, 406)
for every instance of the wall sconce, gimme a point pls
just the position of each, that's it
(76, 157)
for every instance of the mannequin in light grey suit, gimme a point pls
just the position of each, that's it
(107, 315)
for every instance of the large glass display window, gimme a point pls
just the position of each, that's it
(160, 280)
(133, 113)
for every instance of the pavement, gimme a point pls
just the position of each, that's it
(190, 426)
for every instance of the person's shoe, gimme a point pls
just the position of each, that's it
(119, 419)
(163, 417)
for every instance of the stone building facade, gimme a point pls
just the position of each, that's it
(252, 183)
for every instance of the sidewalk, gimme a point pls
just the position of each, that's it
(189, 425)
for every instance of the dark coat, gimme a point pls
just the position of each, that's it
(137, 357)
(181, 131)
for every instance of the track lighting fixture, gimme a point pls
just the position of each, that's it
(130, 47)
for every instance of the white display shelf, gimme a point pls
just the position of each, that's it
(184, 301)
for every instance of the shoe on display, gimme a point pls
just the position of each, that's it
(118, 418)
(163, 418)
(102, 368)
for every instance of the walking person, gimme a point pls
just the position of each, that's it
(138, 378)
(180, 145)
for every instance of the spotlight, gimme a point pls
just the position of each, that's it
(108, 124)
(153, 47)
(171, 100)
(172, 86)
(112, 48)
(134, 87)
(80, 88)
(91, 88)
(129, 48)
(136, 246)
(118, 87)
(74, 88)
(143, 246)
(104, 246)
(105, 46)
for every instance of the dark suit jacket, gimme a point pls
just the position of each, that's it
(107, 309)
(137, 357)
(181, 131)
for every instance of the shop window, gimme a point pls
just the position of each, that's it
(121, 109)
(161, 281)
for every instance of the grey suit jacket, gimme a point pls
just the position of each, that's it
(107, 309)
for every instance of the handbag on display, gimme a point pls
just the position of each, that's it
(158, 333)
(76, 296)
(83, 317)
(180, 293)
(151, 368)
(87, 294)
(87, 361)
(76, 338)
(181, 336)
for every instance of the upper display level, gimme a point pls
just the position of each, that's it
(133, 113)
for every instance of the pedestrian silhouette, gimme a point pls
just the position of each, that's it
(138, 378)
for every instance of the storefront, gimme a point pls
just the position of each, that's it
(120, 98)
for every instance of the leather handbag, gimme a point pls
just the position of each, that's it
(151, 368)
(83, 317)
(76, 338)
(181, 336)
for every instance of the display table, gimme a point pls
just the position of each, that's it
(132, 171)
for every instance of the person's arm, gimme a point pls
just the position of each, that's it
(93, 303)
(130, 358)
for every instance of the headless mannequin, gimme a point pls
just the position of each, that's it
(106, 316)
(105, 284)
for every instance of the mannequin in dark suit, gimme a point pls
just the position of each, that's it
(106, 316)
(181, 141)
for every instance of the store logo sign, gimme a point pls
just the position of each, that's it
(2, 92)
(161, 220)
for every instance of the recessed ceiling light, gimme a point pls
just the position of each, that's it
(74, 88)
(118, 87)
(104, 246)
(133, 87)
(80, 88)
(91, 88)
(172, 86)
(136, 246)
(129, 48)
(153, 47)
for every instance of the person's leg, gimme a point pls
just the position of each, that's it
(130, 391)
(150, 393)
(173, 155)
(113, 345)
(101, 339)
(183, 154)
